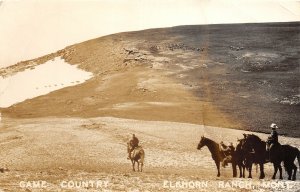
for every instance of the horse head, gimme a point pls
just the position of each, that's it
(129, 147)
(251, 142)
(202, 142)
(240, 142)
(240, 147)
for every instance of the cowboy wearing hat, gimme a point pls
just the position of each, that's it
(272, 139)
(274, 135)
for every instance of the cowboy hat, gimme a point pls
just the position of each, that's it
(274, 126)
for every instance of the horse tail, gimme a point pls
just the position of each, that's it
(286, 166)
(142, 156)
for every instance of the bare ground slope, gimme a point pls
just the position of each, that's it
(239, 76)
(80, 149)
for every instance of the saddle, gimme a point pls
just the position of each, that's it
(271, 144)
(226, 150)
(137, 149)
(135, 153)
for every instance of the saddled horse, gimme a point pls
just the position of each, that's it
(217, 155)
(136, 155)
(285, 153)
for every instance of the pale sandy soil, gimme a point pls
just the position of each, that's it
(58, 149)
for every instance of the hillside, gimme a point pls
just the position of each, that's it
(242, 76)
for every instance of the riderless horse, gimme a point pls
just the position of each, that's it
(216, 154)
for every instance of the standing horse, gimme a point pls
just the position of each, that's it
(216, 154)
(255, 152)
(278, 153)
(276, 156)
(287, 154)
(136, 155)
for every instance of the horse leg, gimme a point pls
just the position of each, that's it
(289, 171)
(275, 170)
(142, 167)
(138, 166)
(262, 173)
(295, 171)
(250, 170)
(240, 169)
(280, 171)
(234, 172)
(218, 167)
(133, 165)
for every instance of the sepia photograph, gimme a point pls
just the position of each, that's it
(149, 95)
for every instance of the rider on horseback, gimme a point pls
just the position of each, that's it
(273, 138)
(134, 143)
